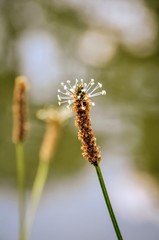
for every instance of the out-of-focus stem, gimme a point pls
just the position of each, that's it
(38, 186)
(47, 151)
(21, 189)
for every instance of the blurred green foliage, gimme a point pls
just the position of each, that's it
(129, 80)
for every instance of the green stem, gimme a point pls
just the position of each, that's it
(108, 203)
(21, 189)
(38, 186)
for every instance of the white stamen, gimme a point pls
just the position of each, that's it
(90, 84)
(67, 89)
(67, 93)
(70, 91)
(65, 102)
(99, 85)
(82, 82)
(59, 98)
(69, 83)
(88, 88)
(96, 94)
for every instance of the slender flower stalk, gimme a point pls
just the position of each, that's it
(79, 97)
(108, 202)
(54, 119)
(18, 137)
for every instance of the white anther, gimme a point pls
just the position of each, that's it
(99, 84)
(58, 96)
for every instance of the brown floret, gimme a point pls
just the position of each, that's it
(19, 110)
(81, 107)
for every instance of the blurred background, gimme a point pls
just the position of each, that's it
(116, 43)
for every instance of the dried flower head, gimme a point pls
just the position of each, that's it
(54, 119)
(79, 96)
(52, 114)
(19, 110)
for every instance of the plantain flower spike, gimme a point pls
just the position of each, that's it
(20, 125)
(78, 96)
(54, 119)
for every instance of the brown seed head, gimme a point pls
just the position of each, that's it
(81, 107)
(19, 110)
(79, 96)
